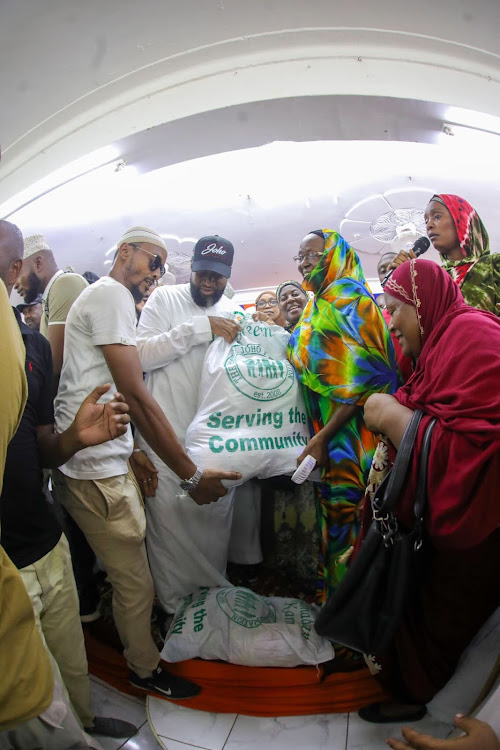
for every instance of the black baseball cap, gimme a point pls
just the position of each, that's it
(36, 301)
(213, 253)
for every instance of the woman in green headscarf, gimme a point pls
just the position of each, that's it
(291, 300)
(342, 352)
(458, 234)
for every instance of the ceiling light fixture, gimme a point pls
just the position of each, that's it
(461, 136)
(470, 119)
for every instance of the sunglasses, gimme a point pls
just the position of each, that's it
(155, 263)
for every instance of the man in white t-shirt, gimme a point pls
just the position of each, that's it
(40, 274)
(97, 488)
(187, 545)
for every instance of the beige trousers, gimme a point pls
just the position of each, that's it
(51, 587)
(110, 512)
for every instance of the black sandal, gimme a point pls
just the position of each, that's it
(374, 715)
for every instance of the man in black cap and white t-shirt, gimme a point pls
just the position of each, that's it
(187, 545)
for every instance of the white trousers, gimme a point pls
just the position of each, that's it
(244, 545)
(187, 543)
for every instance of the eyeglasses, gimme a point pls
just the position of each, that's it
(155, 262)
(311, 255)
(266, 302)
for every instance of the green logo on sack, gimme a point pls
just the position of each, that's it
(245, 608)
(257, 376)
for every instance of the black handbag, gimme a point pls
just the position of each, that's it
(367, 607)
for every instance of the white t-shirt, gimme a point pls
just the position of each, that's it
(104, 313)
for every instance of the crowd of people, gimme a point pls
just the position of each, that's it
(111, 384)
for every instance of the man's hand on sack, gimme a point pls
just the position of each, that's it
(317, 447)
(224, 327)
(210, 489)
(145, 472)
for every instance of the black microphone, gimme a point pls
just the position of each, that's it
(420, 247)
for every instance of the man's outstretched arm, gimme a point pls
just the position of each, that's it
(93, 424)
(125, 367)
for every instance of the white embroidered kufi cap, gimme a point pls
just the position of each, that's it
(142, 234)
(34, 244)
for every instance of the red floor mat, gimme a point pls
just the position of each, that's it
(228, 688)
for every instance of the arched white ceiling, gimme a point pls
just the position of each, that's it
(78, 75)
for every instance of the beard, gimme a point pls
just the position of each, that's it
(34, 287)
(201, 300)
(136, 293)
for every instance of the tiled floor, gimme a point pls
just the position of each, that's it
(180, 728)
(109, 702)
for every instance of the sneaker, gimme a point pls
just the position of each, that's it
(165, 683)
(90, 617)
(108, 727)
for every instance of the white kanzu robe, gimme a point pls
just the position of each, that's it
(187, 543)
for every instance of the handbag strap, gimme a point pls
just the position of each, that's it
(421, 499)
(392, 491)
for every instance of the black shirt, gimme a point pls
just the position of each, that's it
(29, 527)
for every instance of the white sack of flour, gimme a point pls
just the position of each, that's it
(251, 416)
(240, 627)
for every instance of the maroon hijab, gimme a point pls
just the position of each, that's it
(457, 380)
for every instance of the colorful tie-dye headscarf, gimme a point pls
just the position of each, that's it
(341, 348)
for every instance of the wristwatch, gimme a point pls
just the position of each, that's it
(189, 485)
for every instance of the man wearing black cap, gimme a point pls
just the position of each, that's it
(187, 547)
(32, 312)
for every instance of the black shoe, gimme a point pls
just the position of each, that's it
(108, 727)
(375, 714)
(165, 683)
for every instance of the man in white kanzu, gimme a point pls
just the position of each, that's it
(96, 486)
(187, 544)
